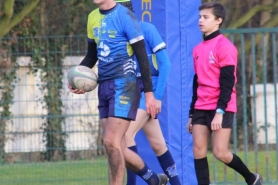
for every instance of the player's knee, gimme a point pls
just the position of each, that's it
(110, 146)
(157, 146)
(129, 137)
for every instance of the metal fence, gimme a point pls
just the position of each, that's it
(51, 136)
(44, 128)
(255, 130)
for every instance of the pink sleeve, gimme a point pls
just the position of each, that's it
(194, 58)
(227, 54)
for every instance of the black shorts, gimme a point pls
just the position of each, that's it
(205, 117)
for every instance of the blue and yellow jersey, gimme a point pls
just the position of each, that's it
(153, 43)
(113, 31)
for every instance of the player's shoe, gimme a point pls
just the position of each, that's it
(258, 181)
(163, 179)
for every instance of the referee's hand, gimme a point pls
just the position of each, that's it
(216, 123)
(150, 104)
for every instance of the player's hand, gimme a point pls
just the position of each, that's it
(150, 104)
(158, 105)
(189, 125)
(75, 91)
(217, 122)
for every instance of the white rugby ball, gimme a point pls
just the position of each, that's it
(82, 78)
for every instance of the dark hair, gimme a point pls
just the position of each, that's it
(218, 9)
(127, 5)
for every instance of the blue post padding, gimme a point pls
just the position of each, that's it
(190, 37)
(177, 22)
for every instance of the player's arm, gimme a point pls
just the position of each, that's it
(143, 61)
(91, 57)
(155, 41)
(136, 39)
(133, 32)
(89, 61)
(227, 82)
(194, 95)
(164, 67)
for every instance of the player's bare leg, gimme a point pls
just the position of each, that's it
(114, 131)
(155, 137)
(136, 164)
(141, 118)
(133, 161)
(154, 134)
(103, 122)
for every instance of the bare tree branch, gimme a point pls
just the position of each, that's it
(6, 24)
(8, 10)
(256, 9)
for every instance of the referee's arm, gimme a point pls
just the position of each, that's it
(194, 95)
(227, 82)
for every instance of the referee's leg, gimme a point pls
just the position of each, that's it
(221, 151)
(201, 135)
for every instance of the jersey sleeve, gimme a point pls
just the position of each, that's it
(90, 31)
(131, 27)
(194, 59)
(164, 66)
(153, 38)
(227, 54)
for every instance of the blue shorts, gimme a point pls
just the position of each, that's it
(119, 98)
(142, 104)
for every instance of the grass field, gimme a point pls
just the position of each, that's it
(60, 173)
(94, 172)
(220, 173)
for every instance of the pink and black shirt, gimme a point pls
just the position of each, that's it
(215, 61)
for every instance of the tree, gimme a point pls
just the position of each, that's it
(9, 19)
(246, 14)
(40, 30)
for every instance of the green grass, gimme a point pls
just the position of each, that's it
(94, 172)
(220, 173)
(69, 173)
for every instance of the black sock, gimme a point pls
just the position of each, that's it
(242, 169)
(202, 171)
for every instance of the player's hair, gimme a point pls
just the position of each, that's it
(218, 10)
(127, 5)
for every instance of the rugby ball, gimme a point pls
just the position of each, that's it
(82, 78)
